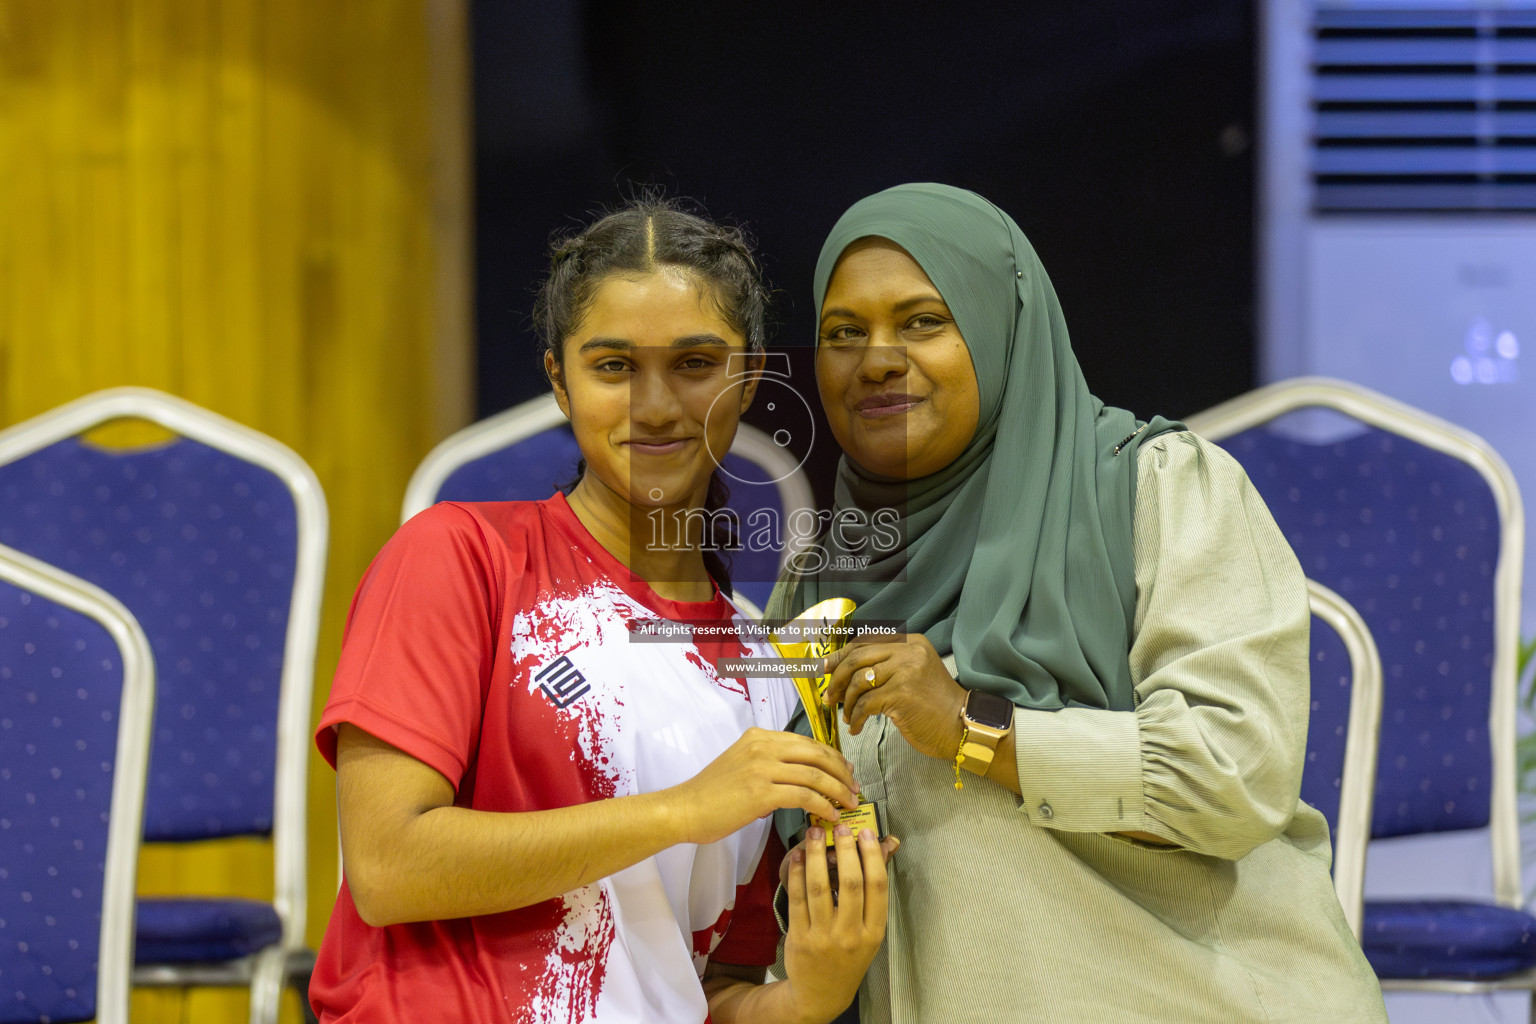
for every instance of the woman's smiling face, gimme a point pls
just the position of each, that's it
(895, 376)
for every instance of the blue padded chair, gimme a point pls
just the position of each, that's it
(1419, 525)
(215, 540)
(76, 699)
(528, 451)
(1340, 770)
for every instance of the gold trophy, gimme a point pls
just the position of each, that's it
(815, 633)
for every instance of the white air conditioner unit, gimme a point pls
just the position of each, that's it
(1398, 209)
(1398, 227)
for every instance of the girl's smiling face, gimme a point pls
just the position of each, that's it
(652, 381)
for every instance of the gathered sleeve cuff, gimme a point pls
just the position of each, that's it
(1211, 758)
(1079, 769)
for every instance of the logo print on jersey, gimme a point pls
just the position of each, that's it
(561, 683)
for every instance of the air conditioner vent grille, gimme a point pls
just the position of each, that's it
(1420, 110)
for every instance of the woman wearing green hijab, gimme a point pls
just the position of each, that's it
(1091, 742)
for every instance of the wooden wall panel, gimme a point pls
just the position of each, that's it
(261, 206)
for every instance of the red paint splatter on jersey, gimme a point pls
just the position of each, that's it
(573, 934)
(705, 940)
(599, 771)
(708, 651)
(568, 619)
(573, 972)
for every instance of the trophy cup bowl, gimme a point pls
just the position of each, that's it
(816, 633)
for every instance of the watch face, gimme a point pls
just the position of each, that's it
(989, 709)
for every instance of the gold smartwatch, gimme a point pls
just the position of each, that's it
(988, 718)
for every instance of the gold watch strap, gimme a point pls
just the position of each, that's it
(980, 746)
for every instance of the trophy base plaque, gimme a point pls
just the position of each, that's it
(866, 815)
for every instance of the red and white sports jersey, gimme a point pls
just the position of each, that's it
(492, 642)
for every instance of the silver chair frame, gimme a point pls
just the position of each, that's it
(1267, 403)
(539, 414)
(1357, 786)
(130, 767)
(267, 971)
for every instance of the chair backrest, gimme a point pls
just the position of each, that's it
(528, 451)
(1340, 771)
(76, 702)
(1419, 525)
(215, 540)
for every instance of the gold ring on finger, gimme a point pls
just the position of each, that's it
(869, 677)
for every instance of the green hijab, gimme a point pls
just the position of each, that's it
(1017, 556)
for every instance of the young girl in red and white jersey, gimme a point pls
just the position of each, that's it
(542, 819)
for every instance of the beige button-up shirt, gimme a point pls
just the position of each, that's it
(1029, 909)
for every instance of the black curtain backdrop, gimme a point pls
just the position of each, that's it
(1116, 132)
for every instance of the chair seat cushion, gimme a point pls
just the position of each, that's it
(1447, 939)
(173, 931)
